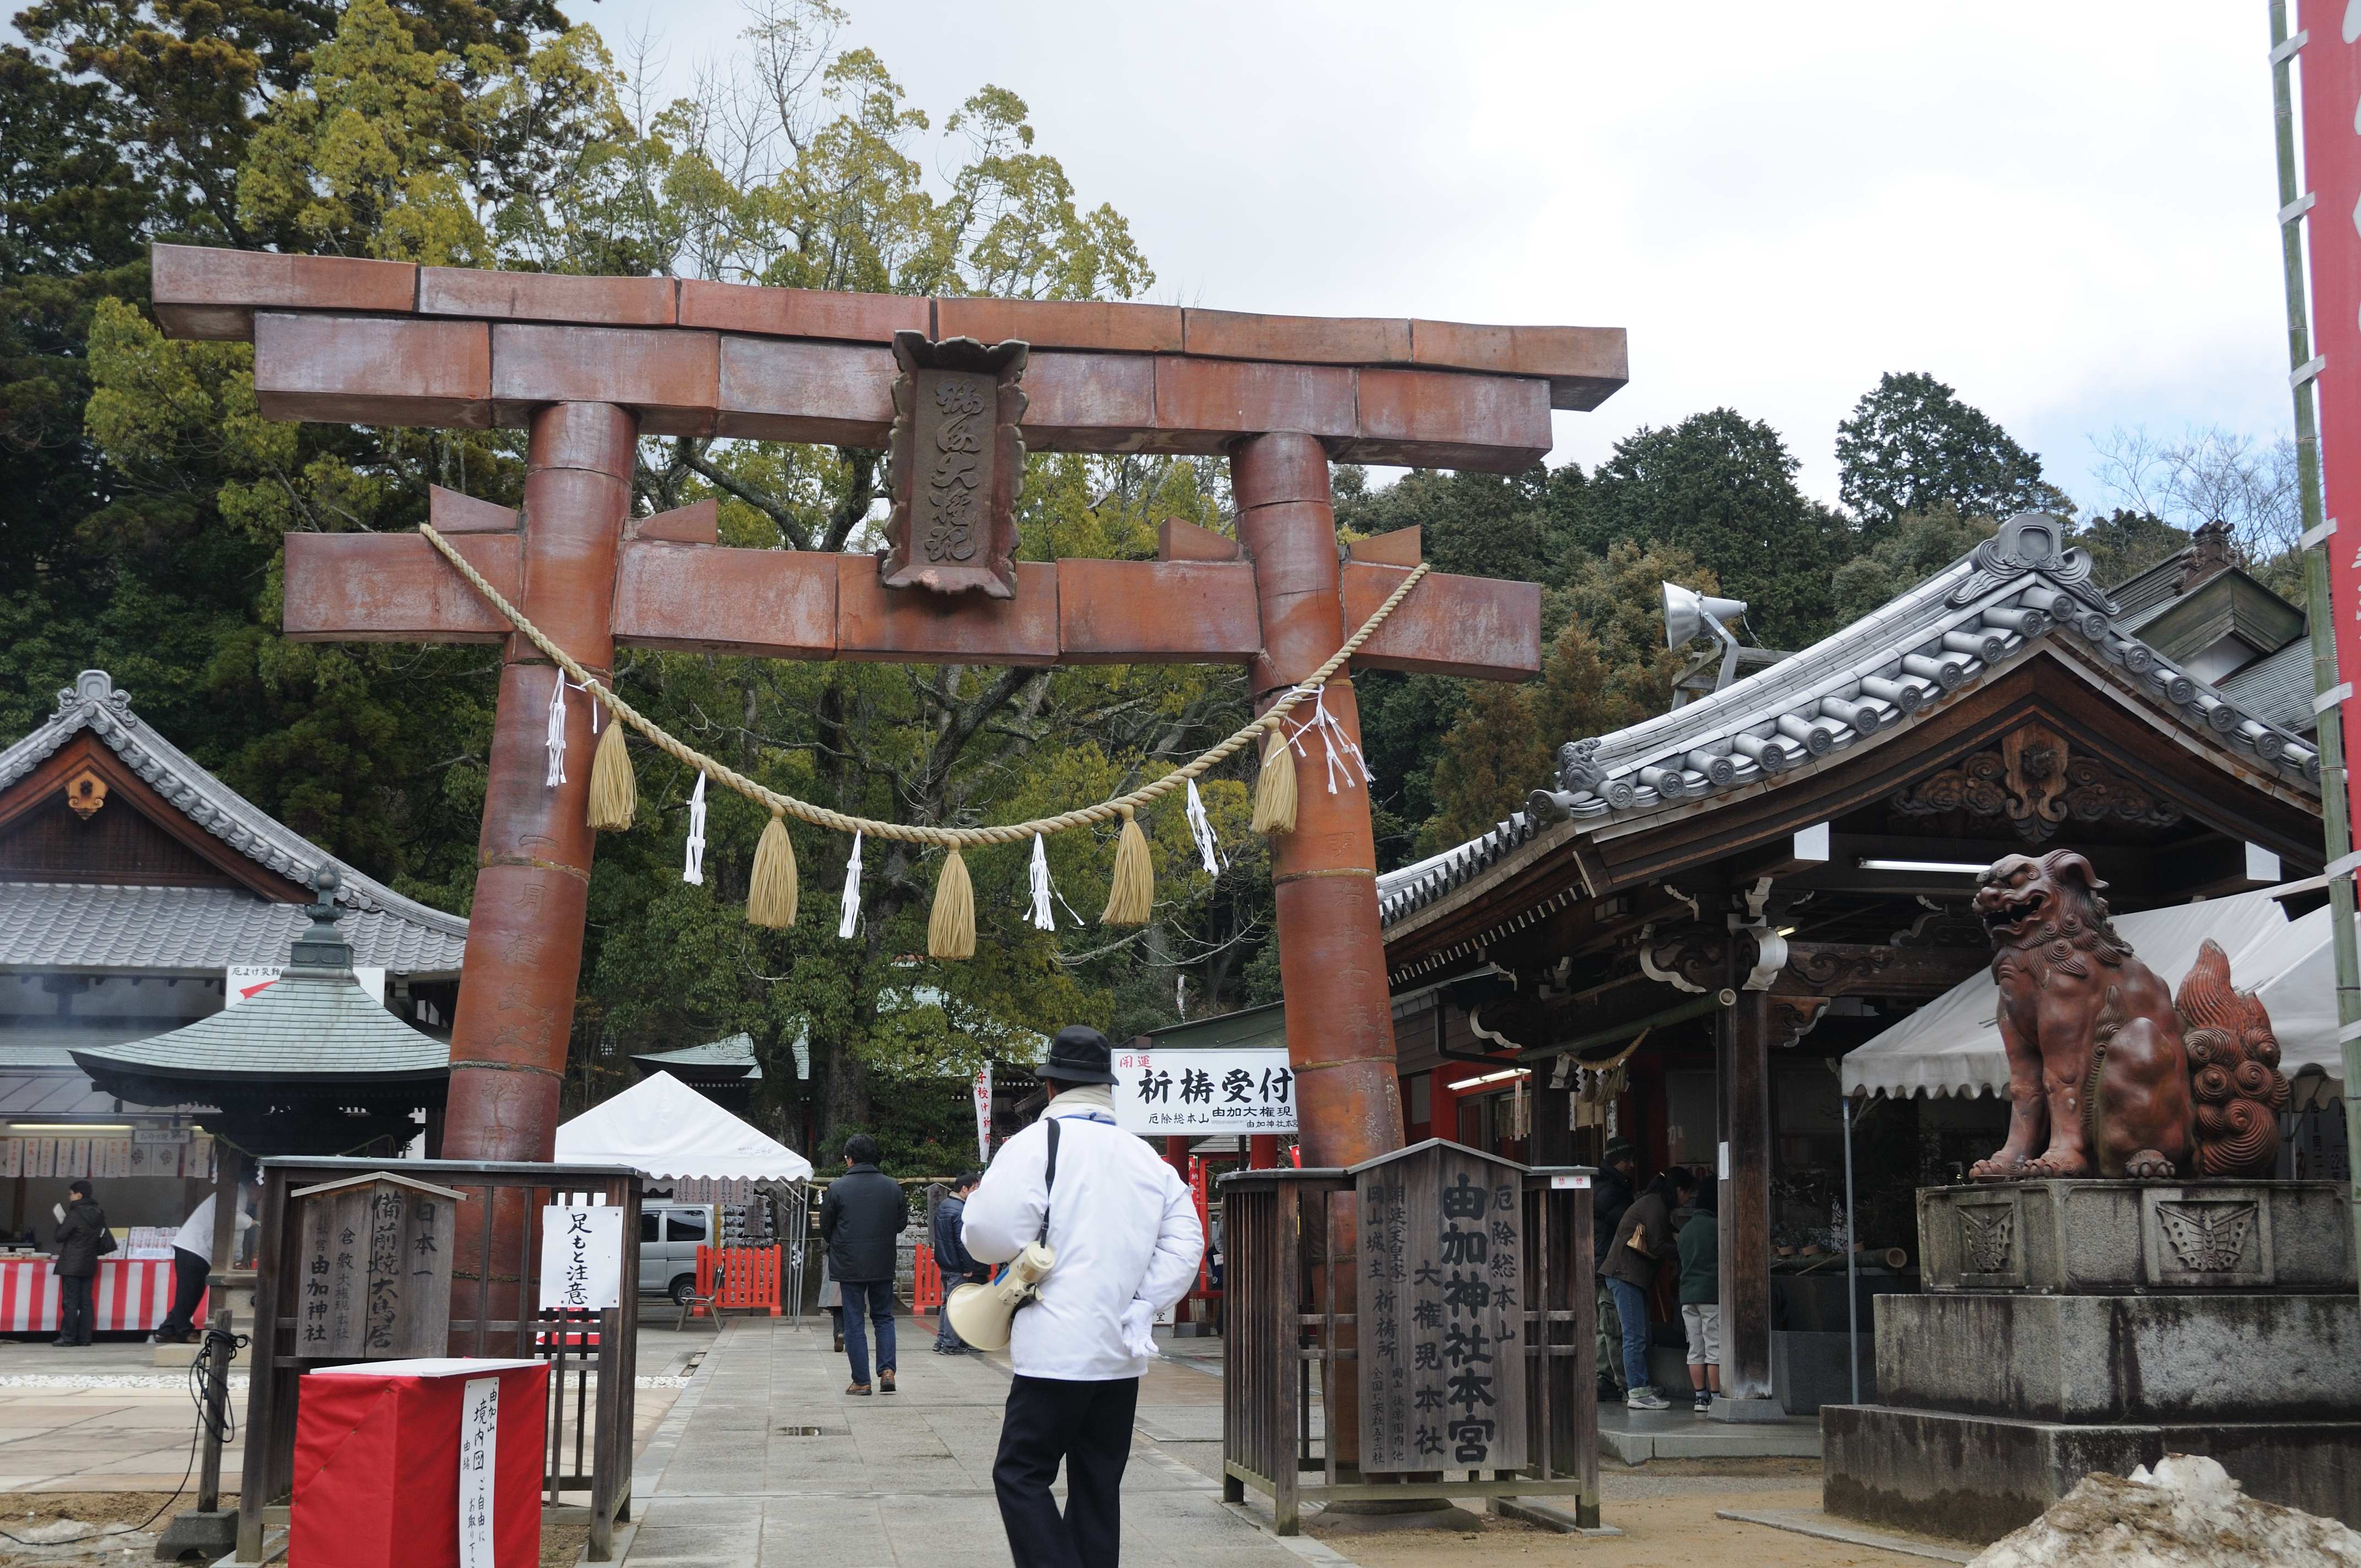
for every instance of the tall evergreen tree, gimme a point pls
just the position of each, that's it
(1912, 446)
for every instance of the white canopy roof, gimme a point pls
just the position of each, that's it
(1951, 1046)
(667, 1130)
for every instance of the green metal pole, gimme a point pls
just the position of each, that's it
(2336, 819)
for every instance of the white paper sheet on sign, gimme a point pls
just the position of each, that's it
(581, 1258)
(1951, 1046)
(668, 1131)
(1196, 1092)
(479, 1431)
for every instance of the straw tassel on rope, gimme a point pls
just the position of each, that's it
(771, 895)
(1274, 808)
(950, 925)
(1132, 895)
(614, 793)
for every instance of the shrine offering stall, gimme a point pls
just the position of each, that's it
(132, 1295)
(1471, 1351)
(358, 1263)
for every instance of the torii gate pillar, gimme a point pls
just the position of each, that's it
(1332, 959)
(532, 855)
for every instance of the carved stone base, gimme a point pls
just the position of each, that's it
(2140, 1237)
(2123, 1358)
(1975, 1478)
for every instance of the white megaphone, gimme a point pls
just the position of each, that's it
(983, 1314)
(1689, 614)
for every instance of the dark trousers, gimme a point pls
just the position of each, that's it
(189, 1273)
(73, 1309)
(873, 1300)
(1087, 1426)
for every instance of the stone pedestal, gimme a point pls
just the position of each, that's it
(2079, 1326)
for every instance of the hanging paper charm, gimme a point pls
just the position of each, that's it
(1341, 754)
(1201, 827)
(556, 737)
(694, 869)
(1042, 919)
(846, 921)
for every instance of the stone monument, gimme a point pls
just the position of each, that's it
(2123, 1280)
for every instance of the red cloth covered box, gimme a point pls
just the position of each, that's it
(388, 1454)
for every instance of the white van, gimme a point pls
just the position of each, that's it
(670, 1234)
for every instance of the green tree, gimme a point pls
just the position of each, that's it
(2124, 543)
(1606, 667)
(1723, 487)
(1918, 546)
(1912, 446)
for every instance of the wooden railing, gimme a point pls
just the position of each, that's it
(1285, 1329)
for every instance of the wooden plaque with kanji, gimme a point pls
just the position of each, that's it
(374, 1264)
(1443, 1281)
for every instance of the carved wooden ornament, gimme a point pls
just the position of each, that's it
(85, 793)
(955, 467)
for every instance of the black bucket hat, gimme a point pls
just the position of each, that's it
(1078, 1055)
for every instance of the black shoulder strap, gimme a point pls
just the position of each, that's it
(1050, 1179)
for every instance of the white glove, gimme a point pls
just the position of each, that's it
(1139, 1329)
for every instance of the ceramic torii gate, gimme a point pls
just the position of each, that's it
(587, 365)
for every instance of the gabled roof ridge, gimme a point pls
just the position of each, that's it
(1982, 611)
(92, 702)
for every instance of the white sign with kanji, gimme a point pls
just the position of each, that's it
(581, 1258)
(479, 1431)
(1199, 1093)
(243, 983)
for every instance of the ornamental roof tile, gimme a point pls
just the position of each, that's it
(1902, 662)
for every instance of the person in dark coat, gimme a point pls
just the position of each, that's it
(1610, 1196)
(957, 1266)
(1644, 1240)
(861, 1219)
(81, 1225)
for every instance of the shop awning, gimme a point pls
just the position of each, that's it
(671, 1133)
(1951, 1046)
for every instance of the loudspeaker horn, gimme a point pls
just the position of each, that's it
(1689, 614)
(983, 1314)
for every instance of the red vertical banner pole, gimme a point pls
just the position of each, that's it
(2328, 454)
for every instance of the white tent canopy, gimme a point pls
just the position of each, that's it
(1951, 1046)
(668, 1131)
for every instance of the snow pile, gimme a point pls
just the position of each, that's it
(2187, 1514)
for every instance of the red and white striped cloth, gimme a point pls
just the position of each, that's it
(131, 1294)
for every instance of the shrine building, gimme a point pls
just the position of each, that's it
(1690, 930)
(135, 886)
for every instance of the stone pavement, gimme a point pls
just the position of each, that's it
(731, 1479)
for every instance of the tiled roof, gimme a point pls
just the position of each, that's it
(737, 1050)
(311, 1024)
(82, 925)
(2276, 688)
(1892, 667)
(431, 944)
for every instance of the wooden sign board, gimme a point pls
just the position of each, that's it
(375, 1269)
(954, 465)
(1442, 1310)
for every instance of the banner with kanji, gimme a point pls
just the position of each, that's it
(1204, 1093)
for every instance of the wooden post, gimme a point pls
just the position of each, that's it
(1332, 956)
(226, 1161)
(1262, 1151)
(1742, 1062)
(533, 882)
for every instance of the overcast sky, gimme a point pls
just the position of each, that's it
(2063, 211)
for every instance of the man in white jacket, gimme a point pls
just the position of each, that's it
(1124, 1232)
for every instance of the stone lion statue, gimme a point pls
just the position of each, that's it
(2108, 1075)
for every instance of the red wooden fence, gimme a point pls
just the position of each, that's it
(739, 1278)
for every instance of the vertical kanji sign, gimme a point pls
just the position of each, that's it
(1442, 1283)
(2329, 63)
(479, 1431)
(581, 1258)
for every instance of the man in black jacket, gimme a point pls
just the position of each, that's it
(954, 1263)
(80, 1226)
(1610, 1197)
(861, 1219)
